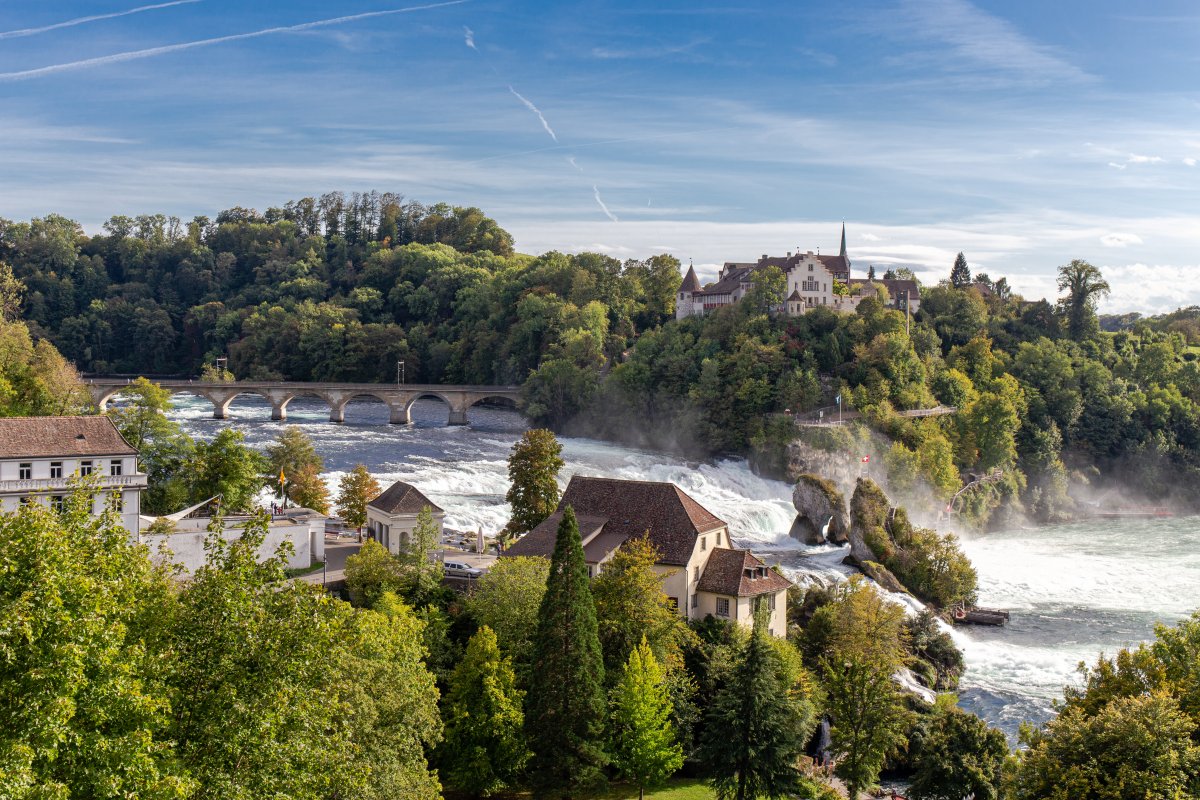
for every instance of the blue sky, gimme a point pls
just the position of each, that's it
(1024, 134)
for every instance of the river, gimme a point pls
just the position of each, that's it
(1074, 590)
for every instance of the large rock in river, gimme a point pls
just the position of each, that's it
(818, 503)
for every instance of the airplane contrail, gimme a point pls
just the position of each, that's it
(171, 48)
(603, 207)
(71, 23)
(571, 160)
(534, 109)
(469, 35)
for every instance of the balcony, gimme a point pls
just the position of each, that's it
(66, 485)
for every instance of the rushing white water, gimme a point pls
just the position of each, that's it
(1074, 590)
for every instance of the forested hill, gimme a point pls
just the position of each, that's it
(341, 288)
(331, 288)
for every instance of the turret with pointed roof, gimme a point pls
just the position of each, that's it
(843, 253)
(691, 283)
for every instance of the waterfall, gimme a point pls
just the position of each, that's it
(825, 528)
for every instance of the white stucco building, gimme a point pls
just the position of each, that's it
(812, 281)
(41, 456)
(703, 573)
(392, 516)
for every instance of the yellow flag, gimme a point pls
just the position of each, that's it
(281, 476)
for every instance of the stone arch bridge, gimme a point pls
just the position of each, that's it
(399, 398)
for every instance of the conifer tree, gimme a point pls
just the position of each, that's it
(533, 470)
(646, 748)
(566, 705)
(960, 274)
(484, 747)
(755, 728)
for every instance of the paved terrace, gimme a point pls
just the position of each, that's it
(399, 398)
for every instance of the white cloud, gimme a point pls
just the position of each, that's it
(869, 237)
(1191, 162)
(1120, 239)
(1134, 158)
(984, 41)
(469, 37)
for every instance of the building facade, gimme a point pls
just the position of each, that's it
(392, 516)
(43, 458)
(812, 280)
(696, 556)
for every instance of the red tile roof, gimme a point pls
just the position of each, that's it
(738, 573)
(402, 498)
(68, 437)
(628, 508)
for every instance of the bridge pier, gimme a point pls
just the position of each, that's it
(399, 414)
(337, 411)
(458, 417)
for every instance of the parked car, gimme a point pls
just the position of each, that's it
(457, 569)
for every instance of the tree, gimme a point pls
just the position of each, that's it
(422, 574)
(372, 572)
(960, 273)
(391, 718)
(484, 750)
(565, 706)
(1085, 287)
(506, 599)
(1139, 746)
(631, 607)
(164, 450)
(756, 727)
(355, 490)
(290, 453)
(227, 468)
(213, 373)
(864, 651)
(646, 748)
(871, 272)
(533, 468)
(307, 489)
(767, 291)
(954, 754)
(82, 687)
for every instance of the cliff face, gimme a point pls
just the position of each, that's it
(818, 502)
(869, 539)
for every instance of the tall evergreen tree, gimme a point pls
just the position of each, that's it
(755, 729)
(646, 748)
(533, 471)
(960, 273)
(566, 706)
(484, 748)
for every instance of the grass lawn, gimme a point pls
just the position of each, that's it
(296, 572)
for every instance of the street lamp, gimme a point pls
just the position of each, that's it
(399, 372)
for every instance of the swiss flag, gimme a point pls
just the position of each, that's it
(866, 459)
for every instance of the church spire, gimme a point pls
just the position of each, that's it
(843, 253)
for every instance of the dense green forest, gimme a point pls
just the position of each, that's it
(341, 287)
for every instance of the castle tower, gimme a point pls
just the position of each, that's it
(683, 302)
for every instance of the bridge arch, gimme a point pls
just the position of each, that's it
(337, 405)
(222, 400)
(281, 398)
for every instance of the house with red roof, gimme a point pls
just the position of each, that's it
(704, 573)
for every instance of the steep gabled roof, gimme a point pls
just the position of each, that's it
(68, 437)
(739, 573)
(663, 511)
(795, 296)
(690, 282)
(402, 498)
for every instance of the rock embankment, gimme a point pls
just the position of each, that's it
(819, 504)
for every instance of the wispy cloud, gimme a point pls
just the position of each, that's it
(1191, 162)
(604, 208)
(151, 52)
(978, 39)
(1120, 239)
(535, 110)
(649, 51)
(469, 38)
(571, 160)
(1134, 158)
(71, 23)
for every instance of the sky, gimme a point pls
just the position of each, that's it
(1024, 134)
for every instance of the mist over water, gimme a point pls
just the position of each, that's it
(1074, 590)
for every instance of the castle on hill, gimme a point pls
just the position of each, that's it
(812, 280)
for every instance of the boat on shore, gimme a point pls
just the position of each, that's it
(1133, 512)
(975, 615)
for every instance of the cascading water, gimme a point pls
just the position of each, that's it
(1074, 590)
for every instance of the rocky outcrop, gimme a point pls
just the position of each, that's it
(818, 503)
(883, 576)
(869, 539)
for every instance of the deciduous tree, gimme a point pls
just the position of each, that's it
(228, 468)
(355, 490)
(307, 488)
(646, 747)
(533, 469)
(1085, 287)
(506, 599)
(484, 750)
